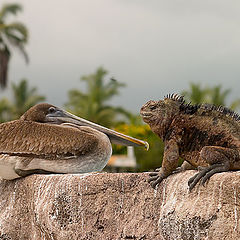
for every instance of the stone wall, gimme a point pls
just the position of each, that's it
(119, 206)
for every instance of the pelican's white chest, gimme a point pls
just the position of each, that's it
(7, 165)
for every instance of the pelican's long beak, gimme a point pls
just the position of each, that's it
(62, 116)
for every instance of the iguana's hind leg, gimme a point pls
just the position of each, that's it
(220, 159)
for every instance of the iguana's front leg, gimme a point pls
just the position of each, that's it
(169, 163)
(220, 159)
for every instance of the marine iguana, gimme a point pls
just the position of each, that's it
(206, 136)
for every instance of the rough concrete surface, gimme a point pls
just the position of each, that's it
(119, 206)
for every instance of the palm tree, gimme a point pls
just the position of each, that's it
(24, 97)
(218, 97)
(5, 110)
(196, 94)
(14, 34)
(92, 105)
(214, 95)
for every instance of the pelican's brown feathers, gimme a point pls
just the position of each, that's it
(28, 137)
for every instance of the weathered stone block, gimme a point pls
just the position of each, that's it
(119, 206)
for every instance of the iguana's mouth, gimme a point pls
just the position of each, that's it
(146, 115)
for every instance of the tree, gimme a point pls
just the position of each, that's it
(196, 94)
(24, 97)
(14, 34)
(93, 104)
(214, 95)
(5, 110)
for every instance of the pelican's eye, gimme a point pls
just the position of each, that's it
(51, 109)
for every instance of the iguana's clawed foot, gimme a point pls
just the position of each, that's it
(205, 173)
(155, 178)
(177, 170)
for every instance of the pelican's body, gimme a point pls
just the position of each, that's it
(51, 148)
(47, 139)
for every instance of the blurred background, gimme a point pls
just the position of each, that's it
(102, 60)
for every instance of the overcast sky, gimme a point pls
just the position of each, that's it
(155, 47)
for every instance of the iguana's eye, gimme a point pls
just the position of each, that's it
(152, 107)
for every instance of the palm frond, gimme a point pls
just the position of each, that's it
(17, 29)
(12, 8)
(24, 97)
(235, 104)
(218, 96)
(5, 110)
(92, 104)
(17, 36)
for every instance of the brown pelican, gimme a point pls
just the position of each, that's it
(47, 139)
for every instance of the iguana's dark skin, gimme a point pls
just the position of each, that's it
(205, 136)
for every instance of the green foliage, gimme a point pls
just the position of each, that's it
(5, 110)
(214, 95)
(24, 97)
(196, 94)
(12, 8)
(13, 34)
(146, 160)
(93, 104)
(218, 96)
(151, 159)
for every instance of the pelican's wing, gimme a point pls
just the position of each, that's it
(23, 137)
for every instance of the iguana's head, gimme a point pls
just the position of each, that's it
(159, 114)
